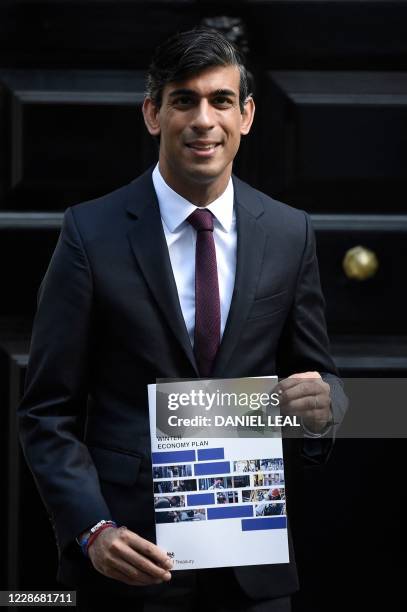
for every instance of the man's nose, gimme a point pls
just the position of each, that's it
(203, 118)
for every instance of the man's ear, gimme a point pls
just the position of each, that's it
(247, 116)
(151, 117)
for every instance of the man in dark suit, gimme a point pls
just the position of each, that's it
(124, 302)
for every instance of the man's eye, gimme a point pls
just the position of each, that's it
(222, 101)
(183, 101)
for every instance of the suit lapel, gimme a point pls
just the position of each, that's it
(148, 242)
(250, 248)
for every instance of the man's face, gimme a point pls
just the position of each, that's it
(200, 125)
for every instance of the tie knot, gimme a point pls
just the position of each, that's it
(201, 220)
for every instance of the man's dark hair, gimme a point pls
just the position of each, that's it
(188, 53)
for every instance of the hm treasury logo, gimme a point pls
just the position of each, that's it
(171, 555)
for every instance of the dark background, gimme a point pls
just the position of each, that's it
(330, 137)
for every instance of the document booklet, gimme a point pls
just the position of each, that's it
(219, 487)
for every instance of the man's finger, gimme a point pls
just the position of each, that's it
(318, 391)
(313, 374)
(304, 375)
(135, 574)
(147, 549)
(300, 406)
(134, 559)
(132, 578)
(297, 379)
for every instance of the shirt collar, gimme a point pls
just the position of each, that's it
(174, 209)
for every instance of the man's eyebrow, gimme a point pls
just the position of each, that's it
(182, 92)
(191, 92)
(225, 92)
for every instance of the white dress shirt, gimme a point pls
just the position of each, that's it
(181, 241)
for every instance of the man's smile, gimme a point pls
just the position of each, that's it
(203, 148)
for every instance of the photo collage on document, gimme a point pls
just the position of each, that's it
(184, 491)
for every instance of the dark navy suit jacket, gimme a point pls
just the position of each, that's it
(109, 322)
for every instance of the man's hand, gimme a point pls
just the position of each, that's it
(307, 396)
(123, 555)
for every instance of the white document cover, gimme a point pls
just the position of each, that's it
(219, 502)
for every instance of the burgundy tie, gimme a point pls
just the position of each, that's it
(207, 302)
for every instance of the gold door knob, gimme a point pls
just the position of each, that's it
(360, 263)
